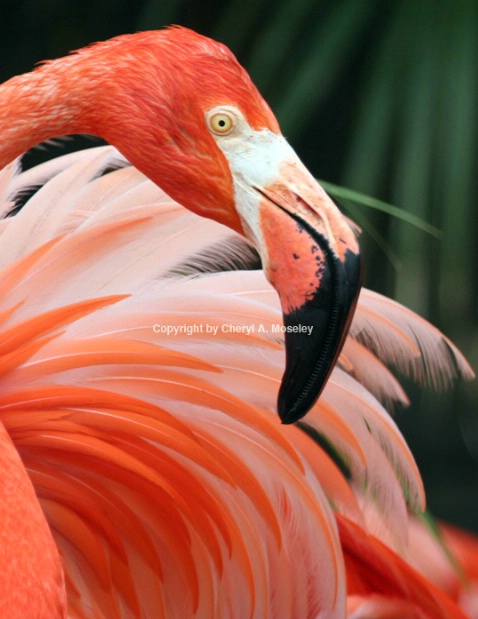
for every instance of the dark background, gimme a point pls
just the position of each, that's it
(380, 96)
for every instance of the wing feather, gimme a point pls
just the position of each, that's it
(154, 446)
(401, 337)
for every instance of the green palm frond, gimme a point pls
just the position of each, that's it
(359, 200)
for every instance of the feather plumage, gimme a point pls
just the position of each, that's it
(400, 337)
(157, 455)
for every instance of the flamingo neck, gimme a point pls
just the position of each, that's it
(124, 91)
(38, 106)
(33, 580)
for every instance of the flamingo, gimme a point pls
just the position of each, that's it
(146, 471)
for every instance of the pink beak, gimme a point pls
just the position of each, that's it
(312, 259)
(309, 253)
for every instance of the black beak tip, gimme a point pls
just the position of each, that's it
(309, 360)
(314, 336)
(290, 412)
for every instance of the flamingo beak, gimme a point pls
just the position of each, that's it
(312, 259)
(309, 253)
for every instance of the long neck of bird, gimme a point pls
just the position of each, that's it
(96, 91)
(45, 103)
(125, 91)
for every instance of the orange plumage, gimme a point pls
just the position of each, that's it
(138, 386)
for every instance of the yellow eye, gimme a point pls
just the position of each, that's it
(221, 123)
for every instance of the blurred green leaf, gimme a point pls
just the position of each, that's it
(361, 199)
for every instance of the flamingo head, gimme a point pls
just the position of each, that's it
(205, 135)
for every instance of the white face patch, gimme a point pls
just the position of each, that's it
(262, 164)
(255, 158)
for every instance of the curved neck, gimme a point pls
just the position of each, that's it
(127, 91)
(40, 105)
(33, 579)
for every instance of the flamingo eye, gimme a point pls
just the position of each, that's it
(221, 123)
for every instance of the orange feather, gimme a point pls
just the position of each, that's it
(144, 453)
(157, 459)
